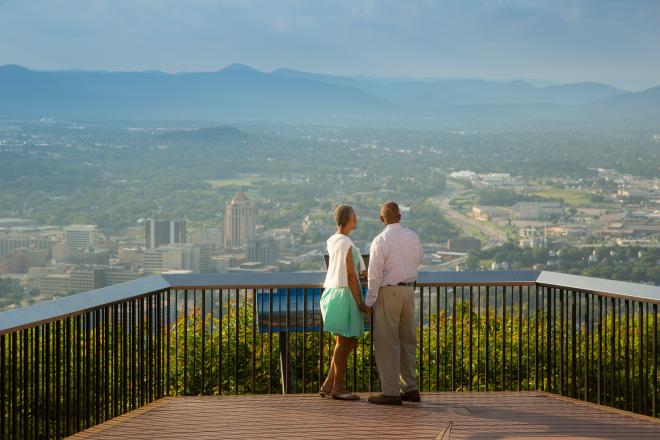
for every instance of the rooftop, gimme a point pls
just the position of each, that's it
(240, 197)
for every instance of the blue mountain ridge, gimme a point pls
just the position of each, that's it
(240, 92)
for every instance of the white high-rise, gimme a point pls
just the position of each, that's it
(81, 236)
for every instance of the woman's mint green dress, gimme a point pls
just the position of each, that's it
(341, 315)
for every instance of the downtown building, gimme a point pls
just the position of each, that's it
(240, 222)
(193, 257)
(8, 244)
(264, 250)
(164, 232)
(81, 236)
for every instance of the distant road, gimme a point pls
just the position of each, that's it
(495, 236)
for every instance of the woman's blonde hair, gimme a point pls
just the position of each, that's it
(343, 215)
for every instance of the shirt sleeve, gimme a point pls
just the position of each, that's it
(376, 264)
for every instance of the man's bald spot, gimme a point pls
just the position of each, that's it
(390, 212)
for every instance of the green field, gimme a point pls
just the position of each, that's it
(570, 196)
(221, 183)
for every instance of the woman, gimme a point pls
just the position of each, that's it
(341, 302)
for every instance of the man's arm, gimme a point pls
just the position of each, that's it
(376, 265)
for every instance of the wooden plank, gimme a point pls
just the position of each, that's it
(471, 414)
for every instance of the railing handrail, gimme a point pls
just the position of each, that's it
(315, 279)
(59, 308)
(62, 307)
(615, 289)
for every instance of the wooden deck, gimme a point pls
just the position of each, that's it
(496, 415)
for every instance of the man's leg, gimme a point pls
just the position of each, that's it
(408, 340)
(387, 313)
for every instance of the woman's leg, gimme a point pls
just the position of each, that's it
(343, 348)
(328, 385)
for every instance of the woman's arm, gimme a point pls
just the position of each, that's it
(353, 283)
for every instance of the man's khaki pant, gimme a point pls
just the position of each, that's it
(395, 339)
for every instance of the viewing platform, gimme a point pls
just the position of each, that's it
(502, 354)
(493, 415)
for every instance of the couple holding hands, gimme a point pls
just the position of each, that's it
(394, 257)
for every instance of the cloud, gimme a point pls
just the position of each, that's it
(574, 13)
(606, 40)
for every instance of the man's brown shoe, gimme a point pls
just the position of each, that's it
(411, 396)
(385, 400)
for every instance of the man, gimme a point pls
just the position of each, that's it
(394, 257)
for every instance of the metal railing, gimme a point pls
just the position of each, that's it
(74, 362)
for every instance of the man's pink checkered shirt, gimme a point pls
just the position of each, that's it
(394, 257)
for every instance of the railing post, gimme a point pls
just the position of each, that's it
(626, 383)
(550, 301)
(587, 350)
(503, 372)
(574, 346)
(420, 342)
(487, 332)
(453, 343)
(613, 353)
(655, 360)
(537, 354)
(470, 347)
(270, 343)
(562, 326)
(254, 335)
(3, 402)
(478, 338)
(600, 348)
(520, 342)
(203, 355)
(642, 393)
(25, 375)
(185, 342)
(285, 367)
(168, 324)
(437, 338)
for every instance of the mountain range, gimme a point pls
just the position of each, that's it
(242, 93)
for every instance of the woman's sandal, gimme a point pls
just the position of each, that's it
(345, 396)
(324, 393)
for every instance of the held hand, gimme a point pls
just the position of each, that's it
(366, 310)
(367, 316)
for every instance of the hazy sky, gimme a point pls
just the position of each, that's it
(561, 40)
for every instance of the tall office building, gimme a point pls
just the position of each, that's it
(81, 236)
(240, 222)
(263, 250)
(162, 232)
